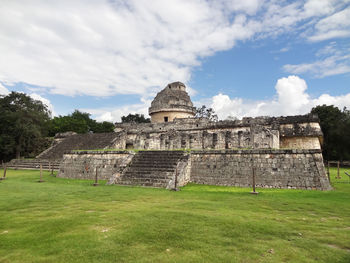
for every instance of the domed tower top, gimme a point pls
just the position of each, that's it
(170, 103)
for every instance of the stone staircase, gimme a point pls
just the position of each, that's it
(88, 141)
(153, 168)
(33, 164)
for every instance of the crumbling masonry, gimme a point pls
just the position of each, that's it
(176, 148)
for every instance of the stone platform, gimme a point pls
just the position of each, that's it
(33, 164)
(282, 168)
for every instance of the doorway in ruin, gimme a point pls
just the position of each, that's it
(129, 146)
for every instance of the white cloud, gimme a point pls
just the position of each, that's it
(3, 90)
(107, 116)
(291, 94)
(285, 49)
(115, 114)
(291, 99)
(44, 101)
(334, 26)
(333, 61)
(321, 68)
(318, 8)
(103, 48)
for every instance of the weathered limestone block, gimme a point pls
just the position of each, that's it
(299, 132)
(121, 168)
(83, 164)
(296, 169)
(182, 173)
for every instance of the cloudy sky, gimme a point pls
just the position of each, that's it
(243, 58)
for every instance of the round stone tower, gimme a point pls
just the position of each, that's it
(170, 103)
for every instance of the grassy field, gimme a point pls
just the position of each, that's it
(64, 220)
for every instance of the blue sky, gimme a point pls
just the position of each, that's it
(243, 58)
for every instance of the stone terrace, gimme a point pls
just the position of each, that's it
(88, 141)
(152, 168)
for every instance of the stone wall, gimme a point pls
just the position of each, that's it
(300, 143)
(296, 169)
(228, 138)
(197, 133)
(88, 141)
(82, 164)
(182, 174)
(158, 117)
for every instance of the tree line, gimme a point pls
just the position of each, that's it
(335, 125)
(27, 128)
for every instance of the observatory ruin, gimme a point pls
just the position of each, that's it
(177, 148)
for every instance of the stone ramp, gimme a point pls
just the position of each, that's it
(153, 168)
(89, 141)
(33, 164)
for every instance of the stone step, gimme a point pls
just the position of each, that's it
(160, 158)
(158, 185)
(149, 174)
(150, 169)
(30, 164)
(33, 164)
(155, 176)
(172, 153)
(160, 153)
(154, 167)
(155, 159)
(33, 160)
(18, 163)
(159, 166)
(31, 168)
(146, 176)
(144, 180)
(146, 163)
(36, 163)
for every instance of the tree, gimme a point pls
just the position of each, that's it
(231, 118)
(335, 125)
(137, 118)
(23, 125)
(79, 122)
(105, 126)
(204, 112)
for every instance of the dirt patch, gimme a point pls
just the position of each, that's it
(337, 247)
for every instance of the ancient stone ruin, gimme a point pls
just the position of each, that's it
(172, 102)
(177, 148)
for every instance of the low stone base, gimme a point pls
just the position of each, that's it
(83, 164)
(289, 169)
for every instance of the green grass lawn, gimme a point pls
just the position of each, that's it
(64, 220)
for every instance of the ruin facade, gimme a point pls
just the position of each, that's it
(174, 127)
(170, 103)
(177, 148)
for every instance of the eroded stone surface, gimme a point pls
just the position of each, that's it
(297, 132)
(291, 169)
(83, 165)
(170, 103)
